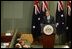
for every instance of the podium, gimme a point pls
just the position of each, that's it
(47, 40)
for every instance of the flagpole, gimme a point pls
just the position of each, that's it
(12, 24)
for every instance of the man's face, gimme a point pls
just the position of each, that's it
(47, 13)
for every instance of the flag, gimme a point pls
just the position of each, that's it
(44, 8)
(60, 18)
(36, 29)
(68, 20)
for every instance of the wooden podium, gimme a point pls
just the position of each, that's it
(5, 38)
(47, 40)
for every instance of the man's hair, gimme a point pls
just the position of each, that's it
(48, 11)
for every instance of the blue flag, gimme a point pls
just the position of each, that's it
(60, 18)
(36, 28)
(68, 21)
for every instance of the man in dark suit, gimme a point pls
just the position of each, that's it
(48, 19)
(47, 40)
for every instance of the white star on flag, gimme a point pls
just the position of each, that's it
(62, 22)
(57, 24)
(38, 18)
(33, 26)
(62, 15)
(67, 28)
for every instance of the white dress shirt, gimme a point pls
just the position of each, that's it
(48, 18)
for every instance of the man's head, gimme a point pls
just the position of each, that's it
(47, 12)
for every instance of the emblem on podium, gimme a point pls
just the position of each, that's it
(48, 35)
(48, 29)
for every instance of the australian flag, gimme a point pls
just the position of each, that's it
(68, 21)
(36, 28)
(60, 18)
(44, 8)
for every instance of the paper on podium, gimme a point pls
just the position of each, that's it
(8, 34)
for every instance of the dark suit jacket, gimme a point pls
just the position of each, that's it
(45, 21)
